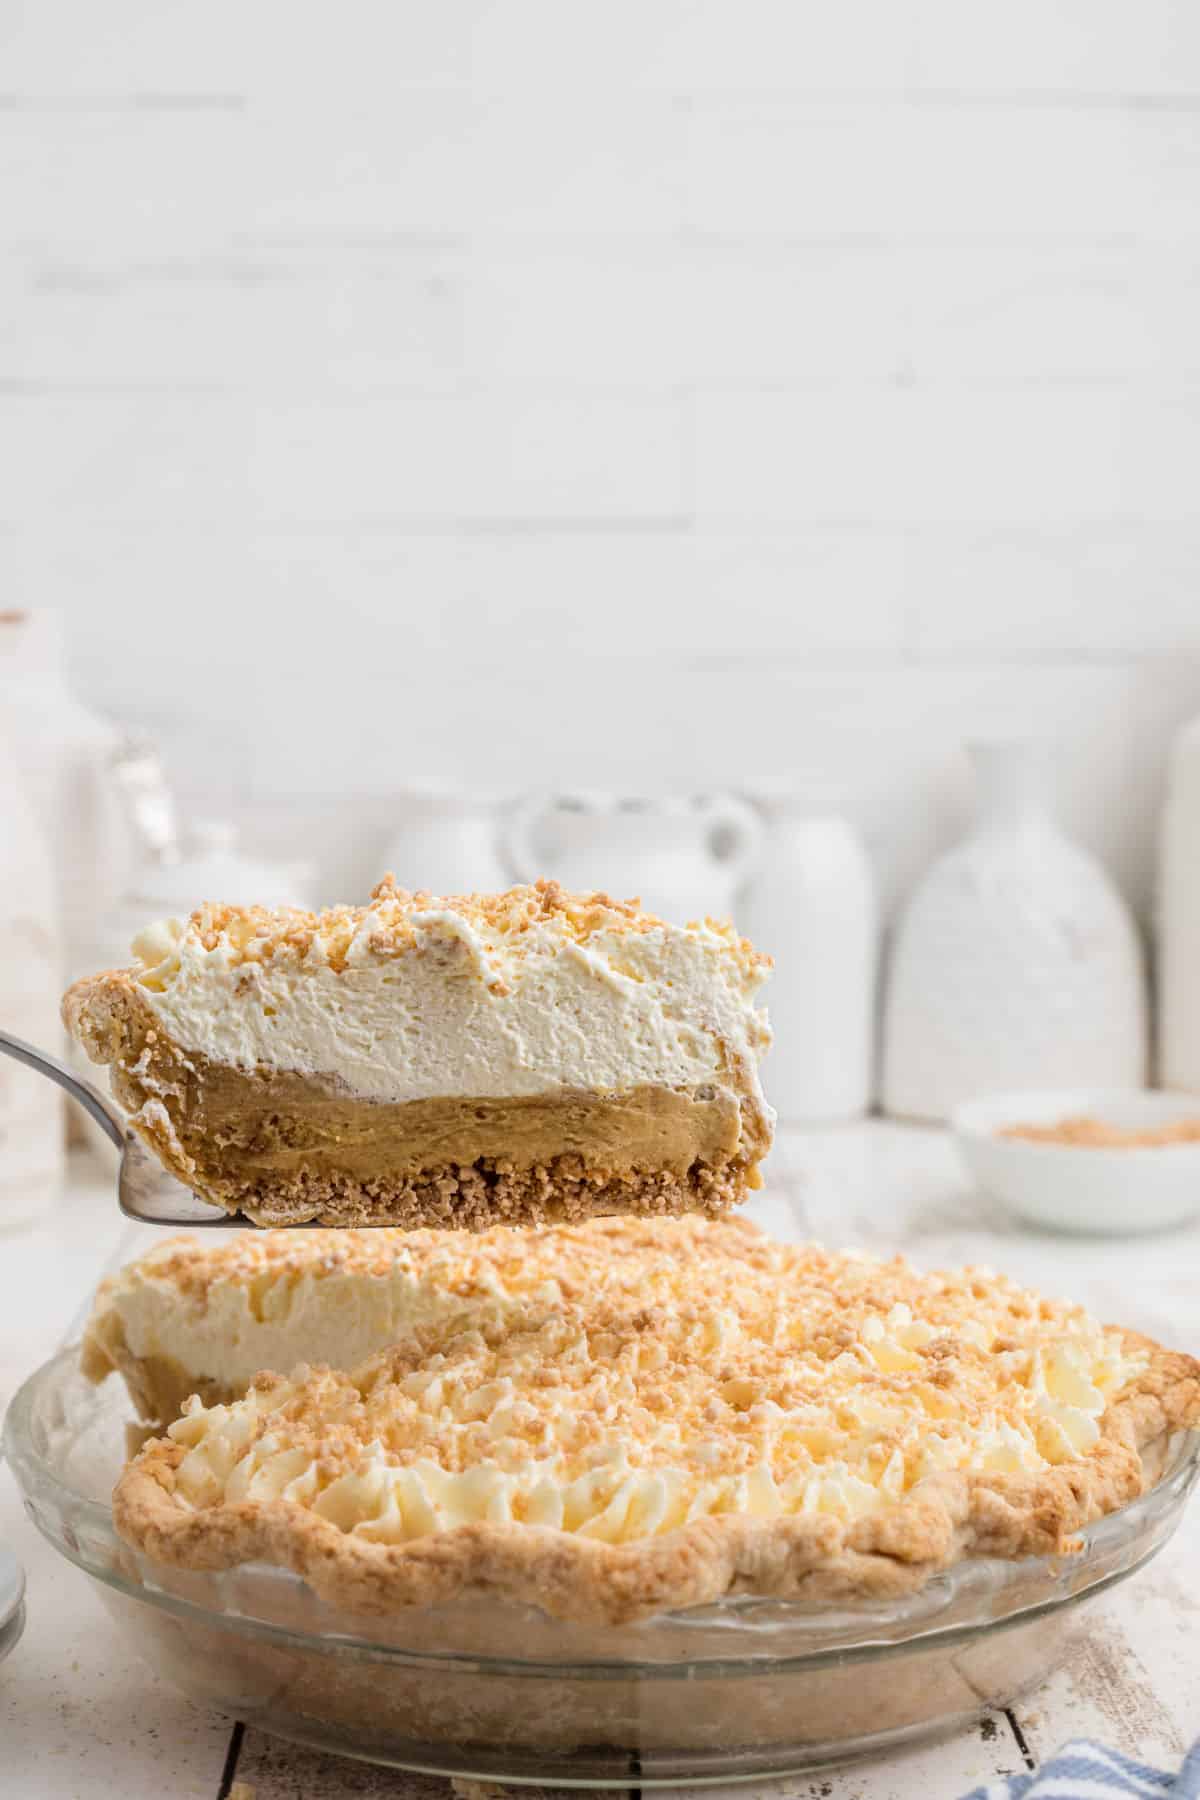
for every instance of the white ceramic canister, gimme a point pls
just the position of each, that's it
(205, 864)
(445, 840)
(813, 907)
(173, 874)
(31, 982)
(685, 858)
(1016, 964)
(66, 754)
(1178, 918)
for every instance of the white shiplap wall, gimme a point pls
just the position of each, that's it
(663, 391)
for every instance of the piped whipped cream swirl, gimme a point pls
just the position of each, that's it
(818, 1390)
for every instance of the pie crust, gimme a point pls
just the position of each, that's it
(904, 1422)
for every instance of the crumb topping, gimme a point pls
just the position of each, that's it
(503, 1260)
(796, 1381)
(395, 921)
(1083, 1133)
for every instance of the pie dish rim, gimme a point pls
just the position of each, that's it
(783, 1662)
(54, 1501)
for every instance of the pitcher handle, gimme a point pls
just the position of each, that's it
(739, 821)
(517, 838)
(90, 1098)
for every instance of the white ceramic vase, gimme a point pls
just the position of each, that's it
(1016, 963)
(66, 754)
(813, 906)
(1178, 920)
(684, 858)
(31, 1110)
(207, 864)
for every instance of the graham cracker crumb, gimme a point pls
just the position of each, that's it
(1081, 1132)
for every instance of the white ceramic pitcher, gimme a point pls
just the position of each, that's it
(444, 839)
(686, 858)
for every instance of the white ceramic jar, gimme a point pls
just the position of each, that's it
(1016, 963)
(66, 754)
(206, 864)
(813, 907)
(31, 1108)
(1178, 946)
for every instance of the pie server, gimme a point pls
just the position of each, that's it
(144, 1189)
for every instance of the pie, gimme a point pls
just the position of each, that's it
(198, 1317)
(793, 1422)
(525, 1057)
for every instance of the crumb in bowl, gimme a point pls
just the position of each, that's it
(1080, 1132)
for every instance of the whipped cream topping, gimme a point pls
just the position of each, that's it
(411, 998)
(812, 1389)
(220, 1312)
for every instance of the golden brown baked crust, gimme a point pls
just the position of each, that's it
(672, 1368)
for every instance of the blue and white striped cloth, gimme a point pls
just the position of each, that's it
(1085, 1770)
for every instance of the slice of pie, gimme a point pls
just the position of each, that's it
(529, 1056)
(825, 1427)
(193, 1317)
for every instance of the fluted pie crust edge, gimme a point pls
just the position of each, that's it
(815, 1560)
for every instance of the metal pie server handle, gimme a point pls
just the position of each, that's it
(144, 1190)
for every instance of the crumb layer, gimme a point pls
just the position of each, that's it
(1081, 1132)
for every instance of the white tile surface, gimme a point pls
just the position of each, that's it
(275, 321)
(156, 179)
(439, 457)
(1108, 313)
(864, 336)
(789, 46)
(1120, 589)
(987, 454)
(1083, 46)
(659, 593)
(538, 163)
(950, 170)
(705, 314)
(167, 49)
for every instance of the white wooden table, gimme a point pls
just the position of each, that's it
(82, 1720)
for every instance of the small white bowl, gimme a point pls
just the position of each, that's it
(1076, 1188)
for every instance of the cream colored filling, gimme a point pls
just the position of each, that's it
(216, 1315)
(464, 1012)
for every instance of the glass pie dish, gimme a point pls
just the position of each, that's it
(738, 1690)
(12, 1602)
